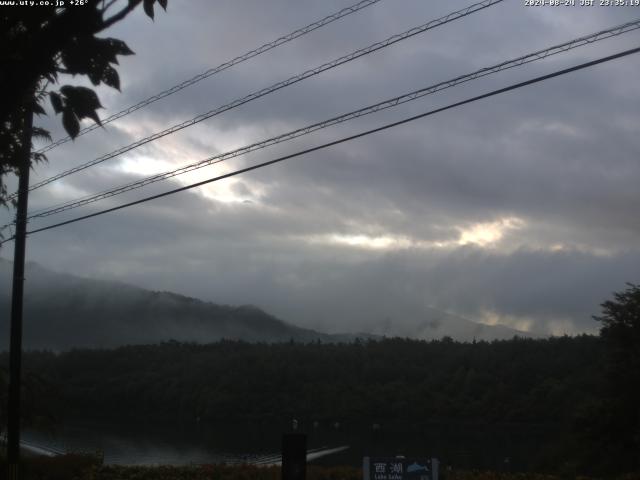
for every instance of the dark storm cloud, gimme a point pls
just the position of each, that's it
(551, 168)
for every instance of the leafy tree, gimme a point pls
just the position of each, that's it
(620, 333)
(35, 410)
(39, 43)
(621, 322)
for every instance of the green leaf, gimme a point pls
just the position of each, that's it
(93, 56)
(41, 133)
(93, 115)
(94, 76)
(148, 8)
(56, 101)
(37, 109)
(81, 97)
(70, 122)
(110, 77)
(52, 76)
(82, 101)
(77, 55)
(38, 157)
(119, 47)
(67, 90)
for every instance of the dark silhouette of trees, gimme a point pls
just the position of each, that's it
(554, 391)
(620, 333)
(538, 382)
(36, 392)
(36, 45)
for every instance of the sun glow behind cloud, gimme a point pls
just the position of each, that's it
(490, 317)
(484, 235)
(169, 154)
(229, 191)
(490, 233)
(144, 165)
(369, 242)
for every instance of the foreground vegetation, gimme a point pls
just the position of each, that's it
(87, 467)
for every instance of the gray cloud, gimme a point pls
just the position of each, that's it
(548, 174)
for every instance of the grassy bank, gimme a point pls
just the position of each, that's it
(88, 467)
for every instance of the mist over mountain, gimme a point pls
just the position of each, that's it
(64, 311)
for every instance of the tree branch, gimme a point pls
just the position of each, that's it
(120, 15)
(108, 5)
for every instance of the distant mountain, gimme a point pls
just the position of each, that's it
(435, 324)
(64, 311)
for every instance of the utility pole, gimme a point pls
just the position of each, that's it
(15, 347)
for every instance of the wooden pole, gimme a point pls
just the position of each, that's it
(15, 346)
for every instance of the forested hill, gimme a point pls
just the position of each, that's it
(523, 381)
(64, 311)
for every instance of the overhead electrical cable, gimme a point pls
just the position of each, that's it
(345, 139)
(223, 66)
(407, 97)
(277, 86)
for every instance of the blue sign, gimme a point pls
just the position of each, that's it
(399, 468)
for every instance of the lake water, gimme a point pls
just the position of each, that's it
(156, 444)
(145, 445)
(479, 446)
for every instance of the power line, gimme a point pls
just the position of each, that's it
(346, 139)
(538, 55)
(223, 66)
(277, 86)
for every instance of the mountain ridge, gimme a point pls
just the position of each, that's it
(64, 311)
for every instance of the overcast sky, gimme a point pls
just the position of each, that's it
(521, 209)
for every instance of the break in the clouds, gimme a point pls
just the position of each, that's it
(518, 210)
